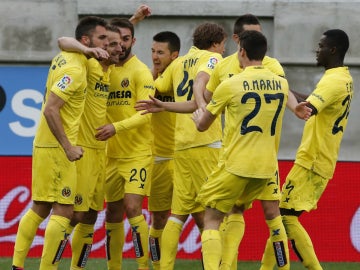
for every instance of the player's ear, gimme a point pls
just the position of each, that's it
(242, 51)
(333, 50)
(235, 38)
(174, 55)
(85, 40)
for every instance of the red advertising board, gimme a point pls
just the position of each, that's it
(334, 227)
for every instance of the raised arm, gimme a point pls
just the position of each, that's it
(141, 13)
(203, 119)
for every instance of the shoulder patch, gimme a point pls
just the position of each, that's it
(212, 62)
(64, 82)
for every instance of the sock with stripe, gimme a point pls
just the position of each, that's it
(81, 245)
(154, 241)
(301, 242)
(140, 237)
(55, 242)
(114, 243)
(279, 242)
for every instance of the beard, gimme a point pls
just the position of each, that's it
(125, 54)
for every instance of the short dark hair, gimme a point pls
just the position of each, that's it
(254, 43)
(206, 34)
(339, 39)
(87, 25)
(242, 20)
(169, 37)
(113, 28)
(123, 23)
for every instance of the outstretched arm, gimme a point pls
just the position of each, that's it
(135, 121)
(302, 110)
(203, 119)
(154, 105)
(70, 44)
(299, 96)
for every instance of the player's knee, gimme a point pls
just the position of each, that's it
(89, 217)
(237, 209)
(271, 209)
(159, 219)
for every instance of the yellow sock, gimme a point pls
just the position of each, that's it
(140, 236)
(231, 238)
(115, 239)
(222, 227)
(55, 241)
(211, 249)
(81, 245)
(268, 260)
(279, 242)
(28, 226)
(154, 241)
(301, 243)
(169, 243)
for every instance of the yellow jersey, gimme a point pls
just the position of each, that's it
(67, 80)
(94, 114)
(179, 77)
(129, 83)
(231, 66)
(323, 132)
(255, 101)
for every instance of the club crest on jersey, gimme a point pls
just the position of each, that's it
(66, 192)
(78, 199)
(64, 82)
(125, 83)
(212, 62)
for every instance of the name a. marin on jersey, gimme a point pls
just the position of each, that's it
(262, 85)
